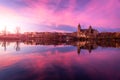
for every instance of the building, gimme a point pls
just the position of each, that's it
(87, 33)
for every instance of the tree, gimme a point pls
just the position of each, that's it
(17, 30)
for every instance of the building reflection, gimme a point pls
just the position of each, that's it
(86, 45)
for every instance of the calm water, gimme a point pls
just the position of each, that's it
(77, 61)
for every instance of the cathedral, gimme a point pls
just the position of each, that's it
(87, 33)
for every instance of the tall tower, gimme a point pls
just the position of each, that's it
(79, 30)
(90, 29)
(79, 27)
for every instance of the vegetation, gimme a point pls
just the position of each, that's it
(109, 35)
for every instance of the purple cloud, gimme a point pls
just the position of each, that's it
(101, 14)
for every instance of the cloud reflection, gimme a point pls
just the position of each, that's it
(99, 65)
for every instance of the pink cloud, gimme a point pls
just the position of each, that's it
(100, 14)
(97, 13)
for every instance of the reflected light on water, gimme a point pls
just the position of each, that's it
(48, 62)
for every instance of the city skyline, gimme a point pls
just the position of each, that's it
(59, 15)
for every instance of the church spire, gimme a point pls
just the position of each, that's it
(90, 28)
(79, 27)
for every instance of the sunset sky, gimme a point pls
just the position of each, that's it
(59, 15)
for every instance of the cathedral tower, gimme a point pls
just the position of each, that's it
(79, 30)
(90, 29)
(79, 27)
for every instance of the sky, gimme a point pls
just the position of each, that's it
(59, 15)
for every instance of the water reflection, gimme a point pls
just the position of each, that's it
(5, 43)
(87, 45)
(51, 60)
